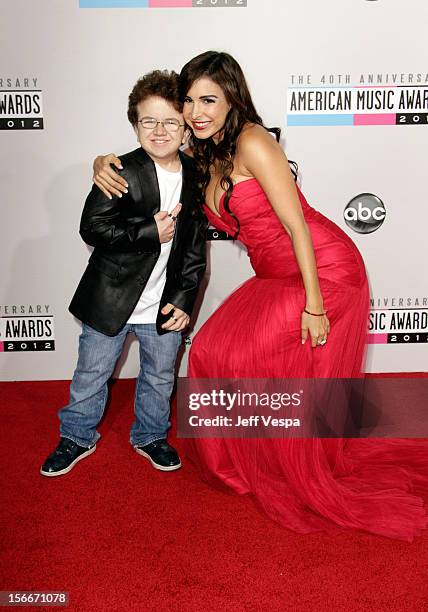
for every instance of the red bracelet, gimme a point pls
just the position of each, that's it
(314, 314)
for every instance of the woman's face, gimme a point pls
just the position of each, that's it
(205, 109)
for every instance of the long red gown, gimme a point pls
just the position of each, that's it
(306, 485)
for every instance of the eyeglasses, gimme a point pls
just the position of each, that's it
(171, 125)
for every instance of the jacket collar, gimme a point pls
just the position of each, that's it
(149, 180)
(150, 185)
(188, 188)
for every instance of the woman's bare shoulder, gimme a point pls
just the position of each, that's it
(252, 130)
(255, 140)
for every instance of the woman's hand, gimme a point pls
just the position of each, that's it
(109, 181)
(317, 327)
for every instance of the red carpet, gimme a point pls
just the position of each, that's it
(118, 535)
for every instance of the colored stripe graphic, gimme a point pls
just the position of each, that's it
(387, 119)
(113, 3)
(170, 3)
(135, 3)
(377, 339)
(320, 120)
(1, 347)
(374, 119)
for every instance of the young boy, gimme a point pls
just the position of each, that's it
(142, 276)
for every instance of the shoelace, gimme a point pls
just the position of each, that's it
(162, 444)
(67, 447)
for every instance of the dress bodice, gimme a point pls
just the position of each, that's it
(268, 244)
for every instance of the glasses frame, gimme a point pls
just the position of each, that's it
(140, 121)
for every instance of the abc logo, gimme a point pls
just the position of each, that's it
(365, 213)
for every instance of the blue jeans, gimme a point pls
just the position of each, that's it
(98, 355)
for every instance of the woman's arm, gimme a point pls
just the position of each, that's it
(262, 157)
(107, 179)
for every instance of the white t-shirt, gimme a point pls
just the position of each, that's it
(147, 307)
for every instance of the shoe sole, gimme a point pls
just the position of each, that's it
(71, 466)
(157, 466)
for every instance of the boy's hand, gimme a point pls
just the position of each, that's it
(179, 319)
(166, 223)
(106, 178)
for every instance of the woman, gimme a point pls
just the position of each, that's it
(308, 275)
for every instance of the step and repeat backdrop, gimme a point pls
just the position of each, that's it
(347, 82)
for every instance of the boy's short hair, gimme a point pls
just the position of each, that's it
(162, 83)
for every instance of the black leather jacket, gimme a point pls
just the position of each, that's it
(124, 234)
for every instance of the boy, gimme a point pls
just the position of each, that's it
(143, 276)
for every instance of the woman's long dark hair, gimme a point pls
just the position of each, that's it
(225, 71)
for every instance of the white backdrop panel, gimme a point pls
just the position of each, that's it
(85, 62)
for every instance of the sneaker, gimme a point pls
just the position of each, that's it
(161, 455)
(65, 457)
